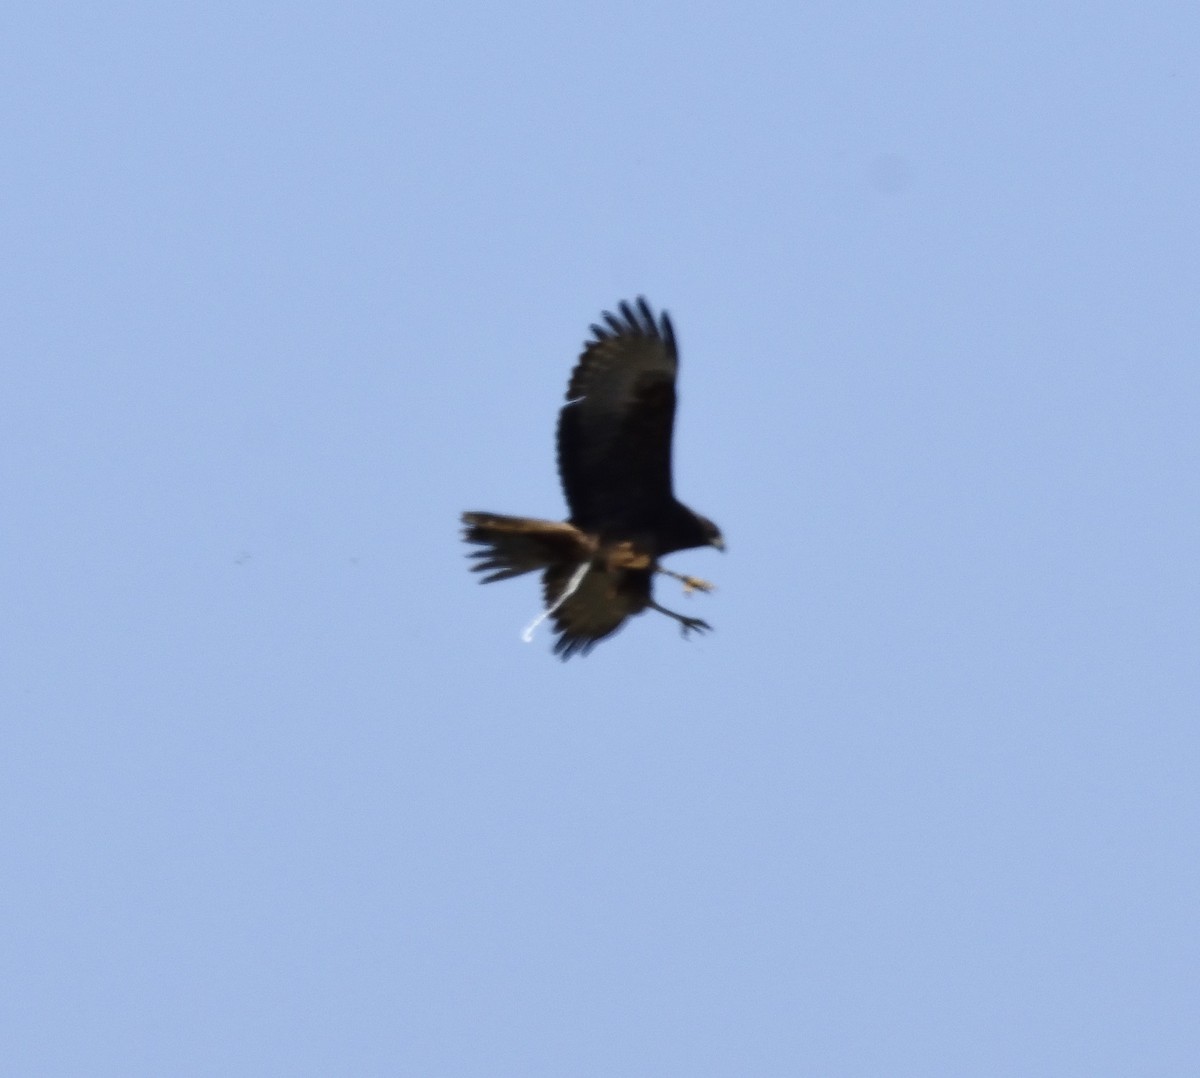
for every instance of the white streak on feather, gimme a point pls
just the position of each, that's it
(571, 588)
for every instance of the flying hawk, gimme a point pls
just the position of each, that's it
(614, 460)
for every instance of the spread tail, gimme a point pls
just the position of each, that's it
(510, 546)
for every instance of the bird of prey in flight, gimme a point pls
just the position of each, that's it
(614, 460)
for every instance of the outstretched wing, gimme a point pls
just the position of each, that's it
(614, 433)
(597, 607)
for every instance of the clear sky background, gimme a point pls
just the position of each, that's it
(288, 287)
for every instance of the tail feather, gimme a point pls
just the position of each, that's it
(512, 546)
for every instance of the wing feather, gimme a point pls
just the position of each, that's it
(597, 608)
(614, 433)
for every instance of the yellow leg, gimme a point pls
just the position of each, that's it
(690, 583)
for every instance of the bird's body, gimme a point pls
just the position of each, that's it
(614, 460)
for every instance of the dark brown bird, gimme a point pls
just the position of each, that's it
(614, 460)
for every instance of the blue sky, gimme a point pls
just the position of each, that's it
(287, 289)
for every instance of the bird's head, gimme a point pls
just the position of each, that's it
(712, 534)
